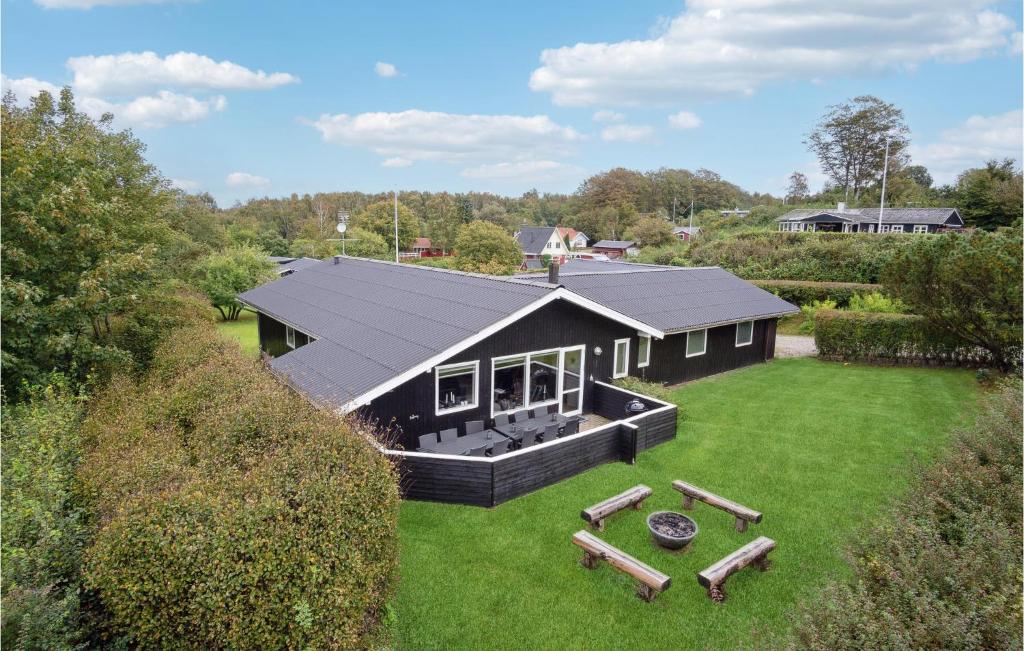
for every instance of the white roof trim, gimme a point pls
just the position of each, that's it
(434, 360)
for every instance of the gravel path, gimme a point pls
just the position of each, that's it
(792, 346)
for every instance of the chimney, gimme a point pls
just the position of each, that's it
(553, 273)
(841, 207)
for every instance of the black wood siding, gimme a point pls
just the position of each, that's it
(410, 407)
(669, 363)
(272, 336)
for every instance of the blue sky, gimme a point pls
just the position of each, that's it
(250, 98)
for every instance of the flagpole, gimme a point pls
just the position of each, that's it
(396, 224)
(885, 171)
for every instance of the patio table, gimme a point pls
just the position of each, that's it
(516, 434)
(468, 442)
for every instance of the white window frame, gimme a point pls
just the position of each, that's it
(884, 228)
(645, 361)
(740, 344)
(615, 359)
(527, 388)
(561, 374)
(289, 337)
(920, 228)
(437, 387)
(704, 348)
(896, 228)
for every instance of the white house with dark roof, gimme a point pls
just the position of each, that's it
(539, 241)
(865, 220)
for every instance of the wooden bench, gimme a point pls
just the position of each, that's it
(634, 497)
(754, 553)
(650, 580)
(742, 513)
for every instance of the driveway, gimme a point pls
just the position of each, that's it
(793, 346)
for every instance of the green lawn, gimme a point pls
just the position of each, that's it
(243, 330)
(818, 447)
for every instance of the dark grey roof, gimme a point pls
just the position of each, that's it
(534, 263)
(937, 216)
(691, 230)
(280, 259)
(296, 265)
(672, 299)
(375, 320)
(614, 244)
(533, 238)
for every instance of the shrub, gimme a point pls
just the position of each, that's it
(232, 512)
(874, 337)
(224, 275)
(942, 571)
(636, 385)
(486, 248)
(44, 532)
(802, 292)
(876, 302)
(810, 313)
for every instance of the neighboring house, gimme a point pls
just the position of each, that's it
(865, 220)
(616, 248)
(735, 212)
(577, 239)
(418, 350)
(538, 241)
(287, 266)
(686, 233)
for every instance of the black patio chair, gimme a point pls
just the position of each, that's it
(474, 426)
(449, 434)
(552, 409)
(500, 447)
(572, 425)
(529, 437)
(550, 432)
(521, 415)
(478, 451)
(501, 420)
(427, 442)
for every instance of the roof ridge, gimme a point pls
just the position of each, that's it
(456, 272)
(654, 268)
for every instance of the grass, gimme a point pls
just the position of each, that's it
(243, 331)
(791, 325)
(818, 447)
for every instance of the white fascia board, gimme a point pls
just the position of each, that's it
(597, 308)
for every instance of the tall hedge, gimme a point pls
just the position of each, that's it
(803, 292)
(230, 512)
(894, 338)
(941, 570)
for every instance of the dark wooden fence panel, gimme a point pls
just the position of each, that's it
(439, 479)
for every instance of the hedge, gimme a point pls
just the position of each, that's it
(889, 338)
(804, 292)
(941, 570)
(230, 511)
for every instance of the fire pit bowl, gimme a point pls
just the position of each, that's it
(671, 530)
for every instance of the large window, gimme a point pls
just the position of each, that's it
(456, 387)
(509, 383)
(744, 333)
(620, 366)
(289, 336)
(643, 351)
(696, 342)
(529, 381)
(897, 228)
(920, 228)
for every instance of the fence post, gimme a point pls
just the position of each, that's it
(629, 437)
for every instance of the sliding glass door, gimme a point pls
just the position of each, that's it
(572, 380)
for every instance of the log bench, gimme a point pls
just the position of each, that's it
(743, 514)
(753, 553)
(633, 497)
(650, 581)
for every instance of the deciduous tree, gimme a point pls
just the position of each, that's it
(224, 275)
(485, 248)
(379, 218)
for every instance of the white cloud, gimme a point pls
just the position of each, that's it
(136, 72)
(155, 111)
(530, 170)
(608, 116)
(385, 69)
(89, 4)
(971, 144)
(424, 135)
(26, 88)
(627, 133)
(188, 185)
(728, 48)
(246, 180)
(397, 161)
(684, 120)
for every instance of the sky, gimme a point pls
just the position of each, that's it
(244, 99)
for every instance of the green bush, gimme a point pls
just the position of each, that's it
(231, 512)
(44, 532)
(636, 385)
(943, 570)
(876, 302)
(883, 337)
(803, 292)
(810, 312)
